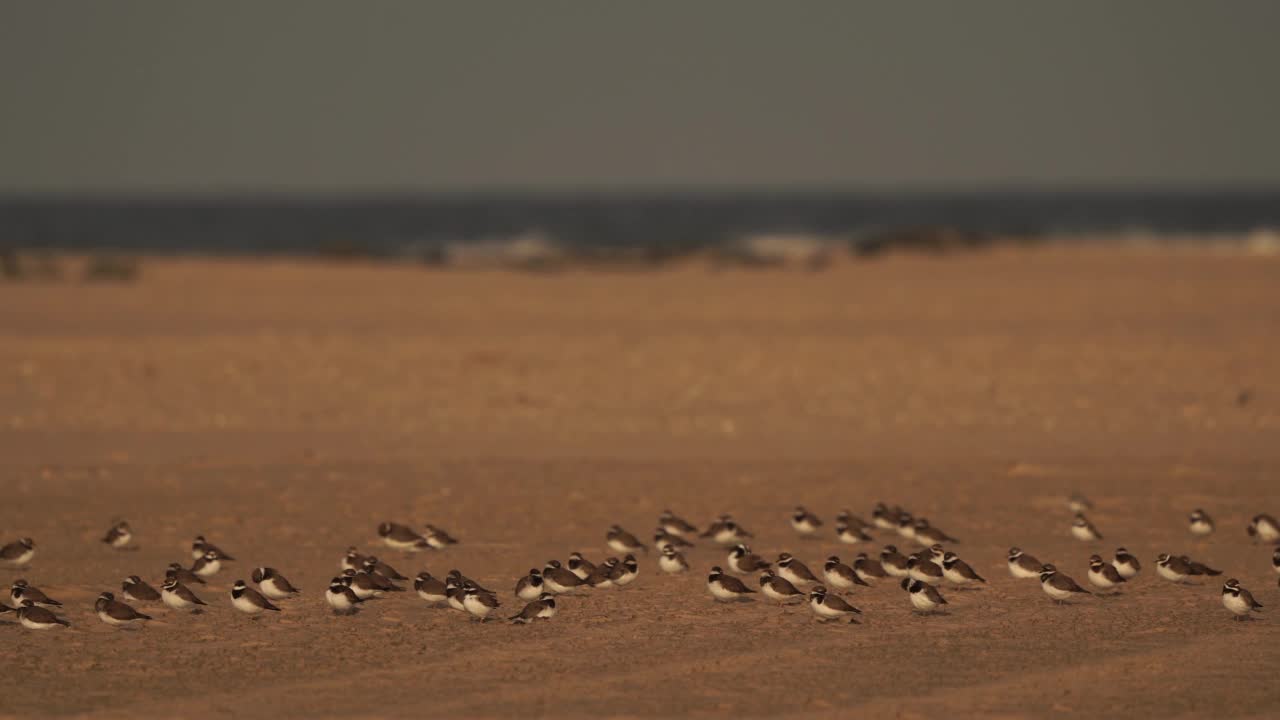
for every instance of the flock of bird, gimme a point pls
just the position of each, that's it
(787, 580)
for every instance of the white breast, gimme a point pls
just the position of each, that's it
(1268, 532)
(1235, 604)
(719, 591)
(209, 569)
(121, 540)
(823, 611)
(804, 527)
(475, 607)
(271, 590)
(406, 545)
(529, 592)
(619, 546)
(243, 604)
(1126, 571)
(1098, 579)
(337, 601)
(1018, 571)
(922, 601)
(953, 575)
(110, 620)
(836, 581)
(1054, 592)
(174, 601)
(1168, 574)
(1082, 532)
(625, 579)
(670, 565)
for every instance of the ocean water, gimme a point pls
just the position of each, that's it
(653, 225)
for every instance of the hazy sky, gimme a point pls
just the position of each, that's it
(311, 95)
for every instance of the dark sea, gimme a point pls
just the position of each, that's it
(661, 224)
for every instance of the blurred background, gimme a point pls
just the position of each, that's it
(537, 135)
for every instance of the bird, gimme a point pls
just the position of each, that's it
(1078, 503)
(1022, 565)
(136, 590)
(726, 587)
(115, 613)
(529, 587)
(200, 547)
(272, 584)
(352, 560)
(341, 598)
(479, 603)
(1200, 523)
(429, 588)
(182, 575)
(1082, 529)
(726, 531)
(620, 540)
(958, 572)
(249, 601)
(1275, 561)
(373, 564)
(1173, 569)
(625, 572)
(675, 525)
(777, 588)
(924, 597)
(906, 525)
(663, 539)
(207, 566)
(794, 571)
(850, 535)
(179, 596)
(893, 562)
(579, 565)
(18, 553)
(437, 538)
(119, 535)
(1058, 586)
(848, 519)
(1125, 564)
(934, 553)
(22, 590)
(1238, 600)
(744, 562)
(454, 591)
(540, 608)
(925, 571)
(829, 606)
(599, 577)
(804, 522)
(868, 570)
(840, 576)
(557, 580)
(927, 535)
(401, 537)
(1265, 528)
(463, 580)
(672, 562)
(368, 585)
(1103, 576)
(1198, 568)
(884, 517)
(34, 617)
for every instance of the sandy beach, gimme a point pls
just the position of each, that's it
(284, 408)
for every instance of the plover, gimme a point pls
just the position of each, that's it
(923, 570)
(558, 580)
(1058, 586)
(663, 539)
(829, 606)
(18, 553)
(272, 584)
(200, 547)
(1238, 600)
(454, 590)
(429, 588)
(207, 566)
(135, 589)
(373, 564)
(22, 590)
(906, 525)
(1082, 529)
(377, 580)
(579, 565)
(927, 535)
(401, 537)
(1125, 564)
(119, 535)
(249, 601)
(848, 519)
(341, 598)
(1102, 575)
(675, 525)
(479, 603)
(804, 522)
(365, 585)
(541, 608)
(850, 535)
(1173, 569)
(744, 562)
(726, 531)
(840, 576)
(179, 596)
(1265, 528)
(182, 575)
(1199, 568)
(437, 538)
(1200, 523)
(34, 617)
(463, 580)
(672, 562)
(867, 570)
(599, 577)
(726, 587)
(958, 572)
(625, 572)
(776, 588)
(620, 540)
(794, 571)
(115, 613)
(1022, 565)
(885, 518)
(529, 587)
(1275, 561)
(1078, 503)
(934, 553)
(893, 562)
(353, 560)
(924, 597)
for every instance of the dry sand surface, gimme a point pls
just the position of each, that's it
(284, 408)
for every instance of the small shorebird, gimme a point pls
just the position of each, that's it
(1199, 568)
(429, 588)
(927, 535)
(599, 577)
(840, 576)
(529, 587)
(18, 553)
(1173, 569)
(182, 575)
(958, 572)
(34, 617)
(1082, 529)
(557, 580)
(663, 540)
(1102, 575)
(579, 565)
(805, 522)
(541, 608)
(777, 588)
(249, 601)
(136, 590)
(22, 590)
(373, 564)
(1265, 528)
(851, 535)
(1022, 565)
(117, 614)
(725, 531)
(207, 566)
(924, 597)
(925, 571)
(401, 537)
(199, 547)
(620, 540)
(179, 596)
(1126, 564)
(1078, 503)
(1199, 523)
(725, 587)
(272, 584)
(625, 572)
(884, 517)
(672, 562)
(353, 560)
(868, 570)
(1058, 586)
(341, 598)
(794, 571)
(893, 562)
(1238, 600)
(119, 535)
(675, 525)
(478, 602)
(744, 562)
(437, 538)
(829, 606)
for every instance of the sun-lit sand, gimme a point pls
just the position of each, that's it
(285, 408)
